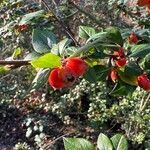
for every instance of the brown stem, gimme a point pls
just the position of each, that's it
(14, 63)
(63, 25)
(99, 21)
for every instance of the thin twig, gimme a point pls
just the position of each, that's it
(146, 101)
(54, 141)
(63, 25)
(14, 62)
(97, 21)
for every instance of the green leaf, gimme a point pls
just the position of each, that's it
(77, 144)
(98, 55)
(3, 69)
(71, 50)
(118, 90)
(26, 19)
(86, 32)
(63, 44)
(101, 72)
(43, 40)
(101, 35)
(147, 62)
(59, 49)
(40, 79)
(32, 55)
(1, 43)
(114, 35)
(140, 50)
(16, 53)
(47, 61)
(104, 143)
(91, 75)
(132, 69)
(121, 89)
(142, 32)
(119, 142)
(96, 73)
(127, 78)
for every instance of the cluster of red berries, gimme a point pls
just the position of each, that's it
(119, 57)
(142, 3)
(143, 81)
(67, 74)
(20, 28)
(120, 60)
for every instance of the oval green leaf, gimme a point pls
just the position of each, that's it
(104, 143)
(86, 32)
(140, 50)
(26, 19)
(47, 61)
(77, 144)
(43, 40)
(119, 142)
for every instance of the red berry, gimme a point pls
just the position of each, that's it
(143, 2)
(133, 38)
(113, 75)
(119, 53)
(20, 28)
(143, 82)
(121, 62)
(61, 77)
(77, 65)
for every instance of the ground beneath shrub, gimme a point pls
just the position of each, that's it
(13, 129)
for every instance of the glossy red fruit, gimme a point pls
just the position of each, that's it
(77, 65)
(20, 28)
(144, 82)
(113, 75)
(61, 77)
(133, 39)
(119, 53)
(143, 2)
(121, 62)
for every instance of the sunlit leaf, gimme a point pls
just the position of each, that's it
(47, 61)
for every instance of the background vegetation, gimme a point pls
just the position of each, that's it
(35, 116)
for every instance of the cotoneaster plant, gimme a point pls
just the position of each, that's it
(121, 61)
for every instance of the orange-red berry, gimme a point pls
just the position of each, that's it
(133, 39)
(77, 65)
(61, 77)
(121, 62)
(144, 82)
(113, 75)
(119, 53)
(143, 2)
(20, 28)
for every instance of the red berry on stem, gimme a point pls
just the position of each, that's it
(77, 65)
(61, 77)
(144, 82)
(113, 75)
(119, 53)
(121, 62)
(54, 80)
(133, 38)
